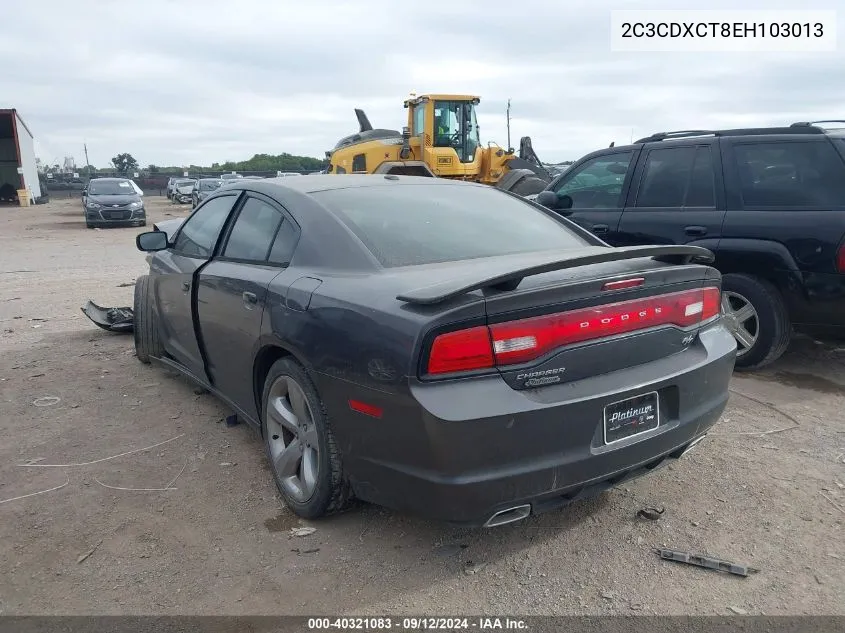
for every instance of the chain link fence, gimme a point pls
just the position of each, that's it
(151, 184)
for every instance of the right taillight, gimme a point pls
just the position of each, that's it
(524, 340)
(840, 259)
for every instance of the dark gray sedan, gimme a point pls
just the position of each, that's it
(433, 346)
(113, 201)
(203, 189)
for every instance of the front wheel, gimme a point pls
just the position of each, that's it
(144, 325)
(299, 443)
(755, 313)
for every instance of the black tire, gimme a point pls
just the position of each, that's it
(332, 492)
(144, 326)
(529, 185)
(88, 225)
(773, 330)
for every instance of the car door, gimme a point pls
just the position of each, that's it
(592, 194)
(172, 275)
(676, 198)
(786, 200)
(232, 291)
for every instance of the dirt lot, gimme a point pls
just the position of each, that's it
(766, 489)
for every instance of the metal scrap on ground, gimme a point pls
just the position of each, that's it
(707, 562)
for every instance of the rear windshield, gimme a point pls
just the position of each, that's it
(209, 185)
(424, 224)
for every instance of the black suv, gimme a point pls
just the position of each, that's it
(770, 202)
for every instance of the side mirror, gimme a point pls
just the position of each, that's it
(548, 199)
(151, 241)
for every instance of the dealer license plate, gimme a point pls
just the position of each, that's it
(630, 417)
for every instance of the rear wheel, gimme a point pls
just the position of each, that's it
(144, 326)
(299, 443)
(755, 313)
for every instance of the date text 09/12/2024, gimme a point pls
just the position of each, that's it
(417, 624)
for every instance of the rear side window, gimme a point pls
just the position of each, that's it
(253, 231)
(676, 177)
(284, 243)
(790, 174)
(407, 225)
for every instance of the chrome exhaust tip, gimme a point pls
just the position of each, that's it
(510, 515)
(692, 445)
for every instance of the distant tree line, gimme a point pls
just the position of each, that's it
(124, 163)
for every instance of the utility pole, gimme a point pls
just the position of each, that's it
(509, 124)
(87, 164)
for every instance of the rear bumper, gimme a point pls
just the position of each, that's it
(462, 461)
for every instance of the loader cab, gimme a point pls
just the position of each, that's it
(446, 122)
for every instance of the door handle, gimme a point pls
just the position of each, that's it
(250, 297)
(600, 228)
(696, 231)
(186, 286)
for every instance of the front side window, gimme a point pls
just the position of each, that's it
(792, 173)
(253, 231)
(455, 126)
(199, 234)
(597, 184)
(424, 224)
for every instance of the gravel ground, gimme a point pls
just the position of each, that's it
(766, 489)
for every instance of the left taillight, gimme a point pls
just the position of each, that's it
(524, 340)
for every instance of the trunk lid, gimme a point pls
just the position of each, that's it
(559, 317)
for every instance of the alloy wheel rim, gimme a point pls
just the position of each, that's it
(292, 438)
(741, 319)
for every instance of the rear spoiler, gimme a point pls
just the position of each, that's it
(507, 272)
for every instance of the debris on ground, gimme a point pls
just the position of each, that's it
(738, 610)
(84, 556)
(473, 568)
(707, 562)
(110, 319)
(232, 420)
(652, 514)
(305, 551)
(302, 531)
(46, 401)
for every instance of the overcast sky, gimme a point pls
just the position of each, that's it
(182, 82)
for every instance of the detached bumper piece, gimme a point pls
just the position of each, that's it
(111, 319)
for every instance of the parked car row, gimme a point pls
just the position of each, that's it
(769, 202)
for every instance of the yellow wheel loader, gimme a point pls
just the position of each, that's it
(441, 140)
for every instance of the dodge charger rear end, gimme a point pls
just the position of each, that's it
(439, 347)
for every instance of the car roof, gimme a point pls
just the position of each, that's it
(312, 183)
(110, 179)
(322, 225)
